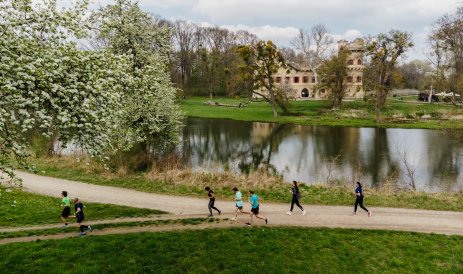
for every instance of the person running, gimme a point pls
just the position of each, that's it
(211, 196)
(359, 199)
(238, 203)
(79, 207)
(66, 213)
(255, 208)
(296, 198)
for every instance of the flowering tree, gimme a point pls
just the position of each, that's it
(49, 86)
(149, 101)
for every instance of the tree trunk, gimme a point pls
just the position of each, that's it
(378, 114)
(51, 146)
(282, 106)
(275, 113)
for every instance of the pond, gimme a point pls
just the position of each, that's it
(425, 159)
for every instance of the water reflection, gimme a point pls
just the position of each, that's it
(310, 153)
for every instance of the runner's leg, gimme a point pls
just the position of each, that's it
(361, 206)
(298, 205)
(209, 206)
(356, 204)
(213, 207)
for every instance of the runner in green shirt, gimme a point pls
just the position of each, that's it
(66, 213)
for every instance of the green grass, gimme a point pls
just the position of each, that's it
(18, 208)
(401, 114)
(316, 195)
(261, 250)
(73, 230)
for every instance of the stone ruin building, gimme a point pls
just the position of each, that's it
(300, 82)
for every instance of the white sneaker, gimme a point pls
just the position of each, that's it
(354, 214)
(234, 219)
(289, 213)
(304, 212)
(369, 213)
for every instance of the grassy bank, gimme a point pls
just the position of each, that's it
(401, 114)
(265, 250)
(269, 188)
(19, 208)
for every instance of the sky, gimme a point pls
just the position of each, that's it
(279, 20)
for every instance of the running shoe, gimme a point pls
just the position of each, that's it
(210, 215)
(266, 221)
(89, 228)
(369, 213)
(220, 212)
(82, 234)
(289, 213)
(65, 226)
(304, 212)
(354, 214)
(248, 224)
(234, 219)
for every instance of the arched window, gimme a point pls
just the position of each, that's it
(350, 62)
(359, 61)
(359, 79)
(349, 79)
(305, 92)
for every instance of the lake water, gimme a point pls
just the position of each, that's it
(317, 154)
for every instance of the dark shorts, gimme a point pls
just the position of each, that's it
(66, 212)
(255, 210)
(239, 207)
(80, 218)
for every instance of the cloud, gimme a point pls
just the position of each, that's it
(278, 20)
(279, 35)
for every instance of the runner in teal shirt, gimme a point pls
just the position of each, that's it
(238, 203)
(255, 201)
(255, 208)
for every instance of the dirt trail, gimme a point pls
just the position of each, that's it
(441, 222)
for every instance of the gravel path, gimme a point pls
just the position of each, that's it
(441, 222)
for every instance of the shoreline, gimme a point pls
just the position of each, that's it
(316, 113)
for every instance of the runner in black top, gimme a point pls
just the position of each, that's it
(359, 199)
(295, 199)
(79, 207)
(211, 196)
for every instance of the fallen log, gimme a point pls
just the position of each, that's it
(217, 104)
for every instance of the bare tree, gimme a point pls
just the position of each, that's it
(384, 51)
(315, 45)
(244, 37)
(185, 42)
(410, 166)
(446, 42)
(214, 41)
(330, 164)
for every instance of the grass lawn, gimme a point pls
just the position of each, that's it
(73, 230)
(316, 195)
(402, 114)
(261, 250)
(18, 208)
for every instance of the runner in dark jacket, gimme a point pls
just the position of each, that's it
(295, 199)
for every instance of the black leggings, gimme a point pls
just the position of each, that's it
(359, 201)
(296, 201)
(82, 227)
(211, 206)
